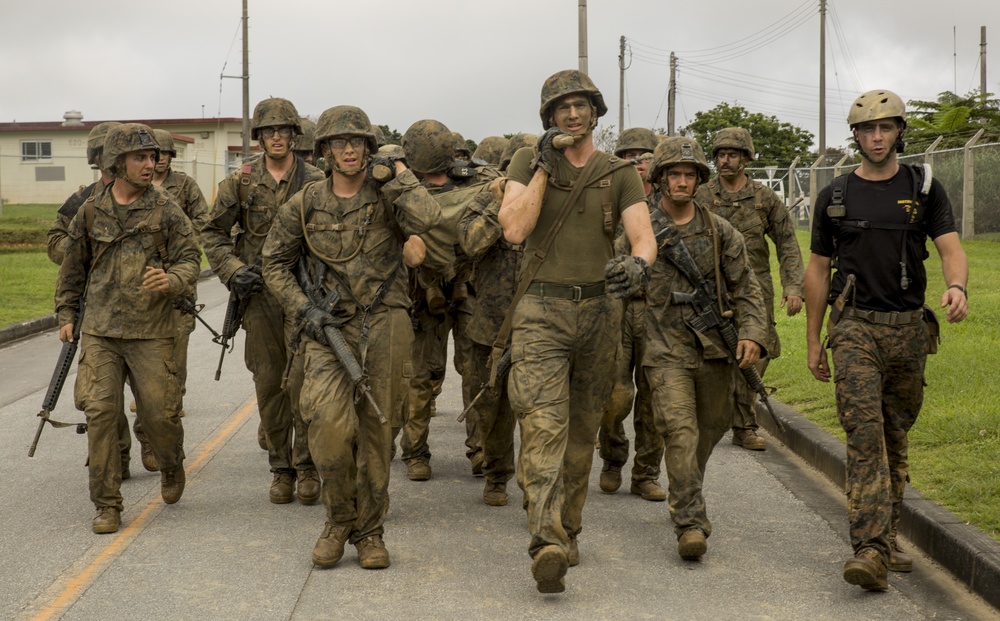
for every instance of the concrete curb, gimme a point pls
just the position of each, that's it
(968, 553)
(49, 322)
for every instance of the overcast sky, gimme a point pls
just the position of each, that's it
(479, 66)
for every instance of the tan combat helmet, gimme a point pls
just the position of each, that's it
(274, 112)
(733, 138)
(460, 146)
(95, 143)
(517, 142)
(166, 141)
(491, 149)
(678, 150)
(379, 135)
(636, 138)
(344, 121)
(307, 141)
(565, 83)
(126, 138)
(875, 105)
(429, 147)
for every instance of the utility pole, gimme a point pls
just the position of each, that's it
(583, 36)
(822, 77)
(246, 85)
(671, 94)
(621, 84)
(982, 60)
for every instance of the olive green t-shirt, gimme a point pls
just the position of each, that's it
(582, 247)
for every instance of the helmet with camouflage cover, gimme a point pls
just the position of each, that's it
(379, 135)
(274, 112)
(733, 138)
(490, 149)
(166, 141)
(344, 121)
(565, 83)
(307, 141)
(518, 141)
(95, 142)
(875, 105)
(429, 146)
(678, 150)
(635, 139)
(460, 146)
(126, 138)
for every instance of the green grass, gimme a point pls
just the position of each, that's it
(27, 285)
(955, 444)
(25, 225)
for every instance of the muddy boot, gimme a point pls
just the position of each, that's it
(477, 461)
(898, 560)
(495, 494)
(372, 553)
(574, 552)
(649, 490)
(172, 484)
(748, 439)
(691, 545)
(307, 486)
(329, 547)
(107, 521)
(281, 487)
(126, 471)
(611, 478)
(867, 570)
(418, 470)
(548, 569)
(149, 461)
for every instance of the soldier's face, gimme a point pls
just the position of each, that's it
(681, 181)
(163, 163)
(573, 114)
(641, 158)
(348, 153)
(139, 167)
(276, 141)
(878, 138)
(729, 162)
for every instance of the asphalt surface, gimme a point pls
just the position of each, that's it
(225, 552)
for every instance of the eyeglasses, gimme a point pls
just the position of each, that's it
(269, 132)
(341, 143)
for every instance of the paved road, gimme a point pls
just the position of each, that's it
(225, 552)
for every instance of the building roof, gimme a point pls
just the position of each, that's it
(50, 126)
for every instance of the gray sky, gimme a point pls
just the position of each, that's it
(478, 66)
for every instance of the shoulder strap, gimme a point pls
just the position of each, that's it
(244, 186)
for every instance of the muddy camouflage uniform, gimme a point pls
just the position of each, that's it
(690, 374)
(127, 330)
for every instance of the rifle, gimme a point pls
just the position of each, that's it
(334, 338)
(707, 314)
(503, 368)
(235, 310)
(56, 385)
(186, 306)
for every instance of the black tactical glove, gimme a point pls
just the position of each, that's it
(546, 155)
(626, 276)
(383, 165)
(246, 281)
(313, 319)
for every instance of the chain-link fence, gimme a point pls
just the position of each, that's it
(970, 176)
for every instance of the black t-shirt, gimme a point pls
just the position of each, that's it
(873, 254)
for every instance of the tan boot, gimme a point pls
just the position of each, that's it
(649, 490)
(867, 570)
(307, 486)
(573, 558)
(611, 478)
(107, 521)
(329, 547)
(281, 487)
(372, 553)
(691, 545)
(898, 560)
(495, 494)
(477, 461)
(149, 461)
(172, 484)
(748, 439)
(418, 470)
(548, 569)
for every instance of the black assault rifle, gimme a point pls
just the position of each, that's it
(188, 307)
(707, 314)
(56, 385)
(503, 368)
(334, 338)
(235, 310)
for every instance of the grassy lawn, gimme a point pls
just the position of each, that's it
(955, 444)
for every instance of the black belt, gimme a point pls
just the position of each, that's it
(566, 292)
(892, 318)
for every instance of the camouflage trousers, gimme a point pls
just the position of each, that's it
(100, 382)
(745, 414)
(348, 443)
(494, 419)
(648, 443)
(266, 355)
(879, 373)
(692, 409)
(561, 352)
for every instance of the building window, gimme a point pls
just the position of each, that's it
(36, 150)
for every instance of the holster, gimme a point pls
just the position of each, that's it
(933, 330)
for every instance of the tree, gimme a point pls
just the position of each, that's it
(392, 136)
(777, 143)
(954, 118)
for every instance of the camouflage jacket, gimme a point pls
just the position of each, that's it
(187, 194)
(359, 239)
(755, 211)
(671, 341)
(226, 252)
(116, 305)
(58, 235)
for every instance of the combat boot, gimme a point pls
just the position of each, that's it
(898, 560)
(329, 547)
(649, 490)
(149, 461)
(172, 484)
(748, 439)
(573, 558)
(478, 461)
(691, 545)
(611, 478)
(281, 487)
(126, 471)
(372, 553)
(418, 470)
(548, 569)
(107, 520)
(867, 570)
(307, 486)
(495, 494)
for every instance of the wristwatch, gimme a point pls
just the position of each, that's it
(960, 288)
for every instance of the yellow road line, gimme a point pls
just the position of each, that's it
(71, 588)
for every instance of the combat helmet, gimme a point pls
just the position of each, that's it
(429, 146)
(518, 141)
(635, 138)
(460, 146)
(95, 142)
(344, 121)
(307, 141)
(733, 138)
(166, 141)
(379, 135)
(126, 138)
(491, 149)
(565, 83)
(274, 112)
(678, 150)
(875, 105)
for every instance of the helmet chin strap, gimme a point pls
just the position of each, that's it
(365, 160)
